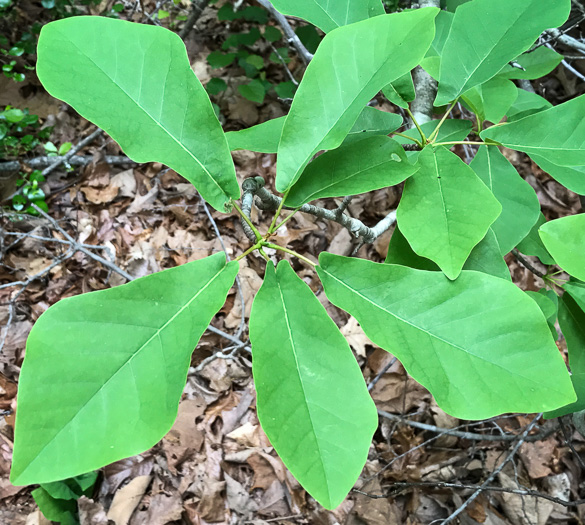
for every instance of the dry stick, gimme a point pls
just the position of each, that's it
(75, 160)
(468, 435)
(87, 140)
(493, 474)
(401, 486)
(567, 40)
(197, 8)
(527, 264)
(254, 186)
(291, 36)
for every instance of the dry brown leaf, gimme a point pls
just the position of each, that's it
(126, 182)
(264, 474)
(250, 282)
(523, 510)
(212, 505)
(91, 512)
(246, 435)
(238, 498)
(100, 195)
(356, 337)
(162, 510)
(127, 499)
(537, 457)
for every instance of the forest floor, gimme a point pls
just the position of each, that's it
(216, 465)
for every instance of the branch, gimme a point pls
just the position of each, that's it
(75, 160)
(65, 158)
(468, 435)
(197, 7)
(291, 36)
(527, 264)
(267, 201)
(567, 40)
(425, 86)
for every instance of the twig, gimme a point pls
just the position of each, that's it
(254, 186)
(527, 264)
(381, 373)
(401, 486)
(291, 36)
(65, 158)
(567, 40)
(75, 160)
(197, 7)
(468, 435)
(494, 473)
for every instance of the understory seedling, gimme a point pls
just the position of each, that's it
(104, 372)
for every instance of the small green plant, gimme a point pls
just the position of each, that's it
(30, 193)
(104, 372)
(19, 132)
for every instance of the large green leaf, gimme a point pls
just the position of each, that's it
(572, 323)
(350, 66)
(328, 15)
(492, 99)
(401, 91)
(541, 134)
(445, 209)
(265, 137)
(104, 372)
(520, 205)
(572, 177)
(565, 240)
(479, 344)
(486, 257)
(507, 29)
(526, 103)
(359, 167)
(535, 64)
(135, 82)
(532, 245)
(312, 400)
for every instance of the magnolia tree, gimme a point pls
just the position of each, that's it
(104, 371)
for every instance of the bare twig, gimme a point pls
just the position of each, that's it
(254, 186)
(75, 160)
(468, 435)
(494, 473)
(567, 40)
(401, 486)
(291, 36)
(527, 264)
(197, 7)
(65, 158)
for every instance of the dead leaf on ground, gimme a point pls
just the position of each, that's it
(127, 499)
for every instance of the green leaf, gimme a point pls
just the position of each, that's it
(263, 138)
(373, 122)
(285, 90)
(312, 401)
(527, 103)
(457, 338)
(135, 82)
(492, 99)
(338, 83)
(532, 245)
(534, 134)
(451, 130)
(442, 27)
(359, 167)
(565, 240)
(572, 323)
(487, 34)
(216, 86)
(536, 64)
(272, 34)
(401, 91)
(548, 307)
(445, 209)
(520, 205)
(309, 36)
(327, 15)
(254, 91)
(57, 510)
(486, 257)
(104, 371)
(572, 177)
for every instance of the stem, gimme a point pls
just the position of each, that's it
(248, 221)
(422, 135)
(257, 246)
(435, 133)
(276, 215)
(286, 220)
(291, 252)
(455, 142)
(418, 142)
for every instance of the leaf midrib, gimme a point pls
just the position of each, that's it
(289, 330)
(122, 366)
